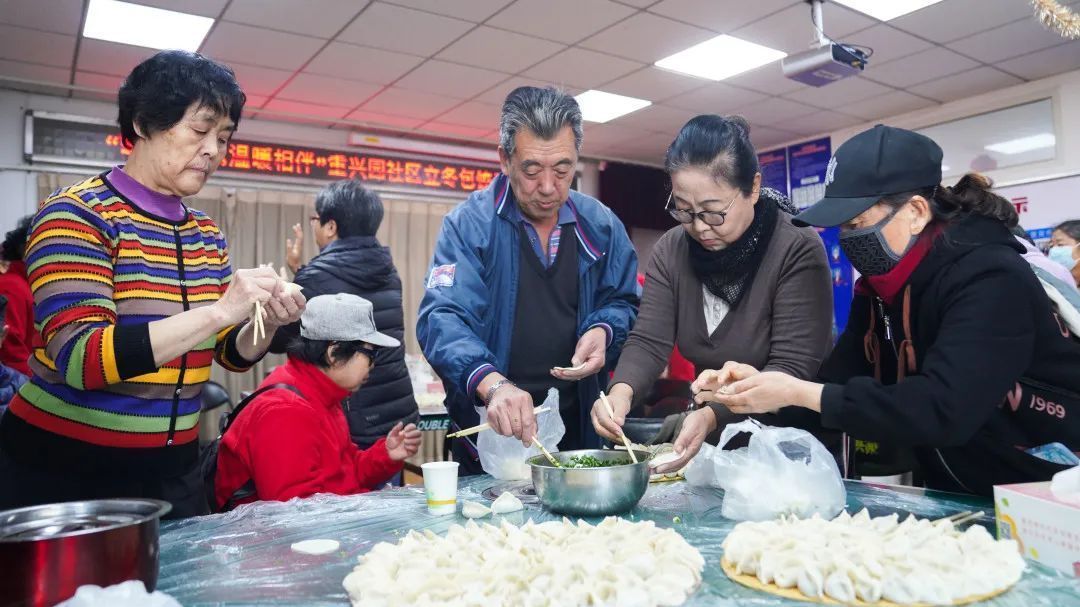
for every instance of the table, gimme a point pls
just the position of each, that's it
(243, 557)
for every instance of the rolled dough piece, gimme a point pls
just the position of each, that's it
(316, 547)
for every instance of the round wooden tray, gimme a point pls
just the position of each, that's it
(751, 581)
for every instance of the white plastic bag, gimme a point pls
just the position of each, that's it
(131, 593)
(781, 471)
(504, 456)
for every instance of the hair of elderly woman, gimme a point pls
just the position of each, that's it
(1070, 228)
(718, 144)
(157, 93)
(543, 111)
(357, 210)
(14, 246)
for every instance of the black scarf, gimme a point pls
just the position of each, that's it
(727, 273)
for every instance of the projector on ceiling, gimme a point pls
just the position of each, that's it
(825, 64)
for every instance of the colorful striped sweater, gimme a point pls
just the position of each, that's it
(101, 269)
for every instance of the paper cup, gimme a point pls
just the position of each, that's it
(440, 486)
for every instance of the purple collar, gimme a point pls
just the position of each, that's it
(154, 203)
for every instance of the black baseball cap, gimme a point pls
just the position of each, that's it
(875, 163)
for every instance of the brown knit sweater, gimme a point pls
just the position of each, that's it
(783, 322)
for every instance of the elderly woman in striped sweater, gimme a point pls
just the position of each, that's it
(134, 299)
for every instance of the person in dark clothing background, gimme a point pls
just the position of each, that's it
(351, 260)
(952, 347)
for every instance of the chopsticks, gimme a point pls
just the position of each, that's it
(547, 454)
(482, 427)
(962, 517)
(611, 414)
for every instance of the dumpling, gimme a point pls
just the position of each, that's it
(506, 503)
(811, 582)
(839, 586)
(475, 510)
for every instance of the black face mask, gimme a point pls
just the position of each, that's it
(869, 252)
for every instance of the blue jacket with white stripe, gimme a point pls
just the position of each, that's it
(467, 312)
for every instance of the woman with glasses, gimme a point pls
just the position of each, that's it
(734, 281)
(292, 439)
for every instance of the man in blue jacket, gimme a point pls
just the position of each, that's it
(532, 285)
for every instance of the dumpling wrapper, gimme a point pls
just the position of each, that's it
(474, 510)
(506, 503)
(316, 547)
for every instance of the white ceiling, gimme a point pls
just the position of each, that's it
(439, 67)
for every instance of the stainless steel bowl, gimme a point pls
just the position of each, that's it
(591, 491)
(47, 552)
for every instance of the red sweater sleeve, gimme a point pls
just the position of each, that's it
(284, 451)
(374, 466)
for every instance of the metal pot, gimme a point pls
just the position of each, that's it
(591, 491)
(47, 552)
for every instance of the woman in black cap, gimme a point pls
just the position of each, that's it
(952, 347)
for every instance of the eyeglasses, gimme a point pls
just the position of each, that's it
(712, 218)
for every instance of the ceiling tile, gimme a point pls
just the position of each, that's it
(654, 84)
(920, 67)
(551, 22)
(450, 79)
(259, 80)
(767, 79)
(840, 94)
(499, 50)
(638, 3)
(888, 43)
(384, 120)
(295, 17)
(412, 104)
(763, 138)
(1008, 41)
(820, 122)
(60, 16)
(402, 29)
(722, 17)
(715, 98)
(965, 84)
(887, 105)
(791, 30)
(110, 57)
(455, 129)
(582, 68)
(773, 110)
(206, 8)
(312, 110)
(32, 46)
(469, 10)
(647, 38)
(336, 92)
(362, 63)
(659, 118)
(955, 19)
(32, 71)
(610, 133)
(105, 82)
(473, 113)
(257, 46)
(1048, 62)
(497, 94)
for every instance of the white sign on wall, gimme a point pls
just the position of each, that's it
(1044, 204)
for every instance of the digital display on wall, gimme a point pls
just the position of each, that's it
(90, 143)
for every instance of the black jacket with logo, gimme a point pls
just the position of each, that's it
(983, 333)
(361, 266)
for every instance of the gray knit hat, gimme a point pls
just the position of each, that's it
(342, 317)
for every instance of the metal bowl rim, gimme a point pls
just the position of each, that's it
(161, 509)
(541, 461)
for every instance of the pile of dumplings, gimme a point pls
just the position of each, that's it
(916, 561)
(616, 562)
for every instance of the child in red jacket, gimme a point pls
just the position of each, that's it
(297, 444)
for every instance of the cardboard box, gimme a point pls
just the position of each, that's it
(1047, 528)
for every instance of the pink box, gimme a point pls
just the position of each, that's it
(1047, 528)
